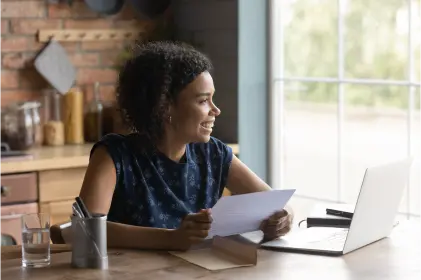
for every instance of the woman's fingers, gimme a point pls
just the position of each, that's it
(198, 233)
(277, 216)
(200, 226)
(284, 230)
(203, 217)
(280, 214)
(274, 229)
(196, 240)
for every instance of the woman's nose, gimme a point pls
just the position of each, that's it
(215, 110)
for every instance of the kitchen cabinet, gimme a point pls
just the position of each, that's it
(57, 191)
(18, 196)
(11, 227)
(47, 182)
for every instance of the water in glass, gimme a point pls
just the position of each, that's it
(35, 244)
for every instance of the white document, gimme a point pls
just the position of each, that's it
(239, 214)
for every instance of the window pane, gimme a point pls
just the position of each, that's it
(310, 151)
(416, 23)
(415, 182)
(310, 37)
(374, 132)
(376, 39)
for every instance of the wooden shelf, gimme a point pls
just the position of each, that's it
(79, 35)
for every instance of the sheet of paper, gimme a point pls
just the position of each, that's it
(239, 214)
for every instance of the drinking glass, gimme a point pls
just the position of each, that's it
(35, 240)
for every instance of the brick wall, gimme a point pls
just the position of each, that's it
(20, 21)
(212, 27)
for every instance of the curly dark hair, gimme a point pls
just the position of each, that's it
(152, 79)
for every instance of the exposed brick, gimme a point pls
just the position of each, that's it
(108, 93)
(110, 58)
(10, 96)
(15, 44)
(31, 26)
(9, 79)
(78, 10)
(34, 45)
(94, 61)
(92, 75)
(16, 60)
(84, 59)
(127, 12)
(88, 24)
(135, 24)
(4, 26)
(68, 46)
(30, 78)
(23, 9)
(102, 45)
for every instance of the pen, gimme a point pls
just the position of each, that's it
(82, 206)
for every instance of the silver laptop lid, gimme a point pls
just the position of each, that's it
(377, 204)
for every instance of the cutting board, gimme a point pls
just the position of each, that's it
(55, 66)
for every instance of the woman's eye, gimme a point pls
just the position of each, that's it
(203, 101)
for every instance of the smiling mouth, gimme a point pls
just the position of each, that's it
(207, 125)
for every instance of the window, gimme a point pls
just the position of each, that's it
(345, 95)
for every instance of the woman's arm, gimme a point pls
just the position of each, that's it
(242, 180)
(97, 192)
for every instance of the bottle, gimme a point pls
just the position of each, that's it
(94, 117)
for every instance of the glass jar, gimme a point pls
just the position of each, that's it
(52, 119)
(21, 125)
(37, 126)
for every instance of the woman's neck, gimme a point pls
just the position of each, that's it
(173, 149)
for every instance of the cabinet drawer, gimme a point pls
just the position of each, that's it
(11, 226)
(19, 188)
(64, 184)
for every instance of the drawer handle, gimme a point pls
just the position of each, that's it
(5, 191)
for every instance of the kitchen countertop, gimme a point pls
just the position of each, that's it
(48, 158)
(60, 157)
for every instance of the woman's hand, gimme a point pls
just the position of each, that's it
(193, 230)
(277, 225)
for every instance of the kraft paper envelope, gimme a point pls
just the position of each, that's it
(223, 253)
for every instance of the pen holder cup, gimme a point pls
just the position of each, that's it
(89, 245)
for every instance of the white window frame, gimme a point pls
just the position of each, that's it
(276, 94)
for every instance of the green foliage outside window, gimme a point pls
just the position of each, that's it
(375, 47)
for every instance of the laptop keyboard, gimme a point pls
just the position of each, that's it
(339, 236)
(314, 238)
(317, 235)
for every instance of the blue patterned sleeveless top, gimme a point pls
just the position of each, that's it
(154, 191)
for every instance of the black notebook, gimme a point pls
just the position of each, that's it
(319, 218)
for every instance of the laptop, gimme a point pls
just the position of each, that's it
(373, 219)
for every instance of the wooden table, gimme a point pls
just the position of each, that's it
(394, 258)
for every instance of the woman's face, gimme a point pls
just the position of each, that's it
(193, 114)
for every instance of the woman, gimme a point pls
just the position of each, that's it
(157, 185)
